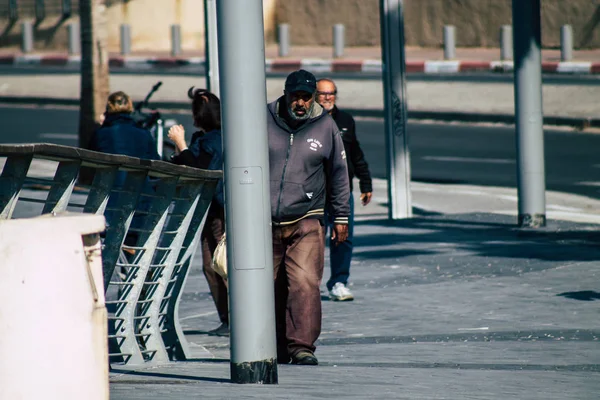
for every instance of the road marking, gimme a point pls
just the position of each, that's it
(596, 183)
(559, 215)
(563, 208)
(206, 314)
(483, 328)
(573, 216)
(4, 87)
(61, 136)
(470, 160)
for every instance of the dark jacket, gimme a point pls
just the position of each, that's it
(120, 135)
(357, 165)
(205, 152)
(305, 164)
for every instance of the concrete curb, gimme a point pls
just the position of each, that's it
(442, 116)
(315, 65)
(581, 123)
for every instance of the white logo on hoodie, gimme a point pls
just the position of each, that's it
(314, 144)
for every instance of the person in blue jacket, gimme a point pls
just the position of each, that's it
(206, 152)
(119, 134)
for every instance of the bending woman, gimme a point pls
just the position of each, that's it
(206, 152)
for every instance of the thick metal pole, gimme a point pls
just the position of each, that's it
(248, 206)
(338, 40)
(449, 42)
(394, 84)
(125, 39)
(528, 113)
(211, 50)
(506, 43)
(566, 43)
(175, 40)
(283, 36)
(74, 38)
(27, 37)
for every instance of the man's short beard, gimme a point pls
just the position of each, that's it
(301, 117)
(330, 105)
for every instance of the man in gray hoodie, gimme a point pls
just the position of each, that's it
(308, 168)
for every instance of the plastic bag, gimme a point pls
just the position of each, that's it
(219, 261)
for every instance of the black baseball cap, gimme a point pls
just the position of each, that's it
(301, 80)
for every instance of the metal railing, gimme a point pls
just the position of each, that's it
(154, 211)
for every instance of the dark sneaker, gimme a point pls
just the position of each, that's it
(304, 357)
(222, 330)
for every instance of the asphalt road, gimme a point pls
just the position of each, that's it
(481, 77)
(440, 153)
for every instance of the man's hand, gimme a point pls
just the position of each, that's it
(339, 233)
(177, 135)
(365, 198)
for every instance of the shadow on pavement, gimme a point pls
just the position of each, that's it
(165, 378)
(478, 235)
(584, 295)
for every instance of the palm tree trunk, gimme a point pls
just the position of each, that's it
(94, 67)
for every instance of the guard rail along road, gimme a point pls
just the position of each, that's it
(143, 280)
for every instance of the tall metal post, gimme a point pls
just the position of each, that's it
(74, 37)
(248, 206)
(338, 40)
(506, 43)
(211, 51)
(394, 84)
(175, 40)
(283, 36)
(449, 42)
(528, 113)
(566, 43)
(125, 39)
(27, 38)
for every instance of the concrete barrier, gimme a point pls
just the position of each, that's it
(53, 320)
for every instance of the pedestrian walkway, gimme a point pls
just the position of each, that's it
(454, 303)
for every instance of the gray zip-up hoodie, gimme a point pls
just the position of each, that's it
(307, 168)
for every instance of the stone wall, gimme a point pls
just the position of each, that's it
(150, 22)
(477, 21)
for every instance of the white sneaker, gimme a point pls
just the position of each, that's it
(340, 293)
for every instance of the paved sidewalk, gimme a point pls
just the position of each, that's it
(488, 101)
(455, 303)
(355, 59)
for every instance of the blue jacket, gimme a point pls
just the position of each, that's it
(120, 135)
(206, 152)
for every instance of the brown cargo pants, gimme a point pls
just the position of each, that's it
(298, 260)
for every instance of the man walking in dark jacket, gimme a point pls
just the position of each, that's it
(307, 167)
(341, 255)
